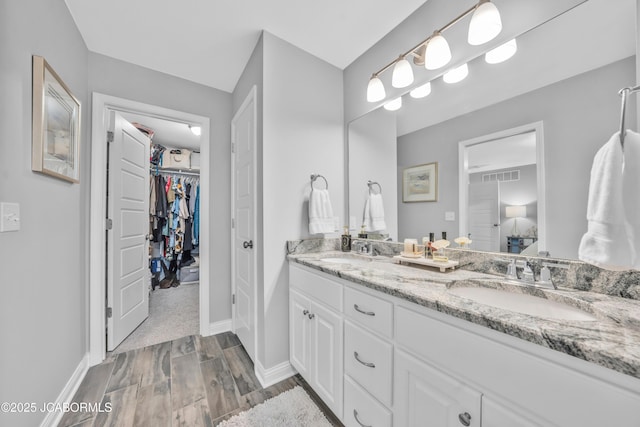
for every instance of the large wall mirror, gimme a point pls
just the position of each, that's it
(528, 127)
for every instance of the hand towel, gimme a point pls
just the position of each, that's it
(373, 218)
(631, 195)
(320, 212)
(605, 243)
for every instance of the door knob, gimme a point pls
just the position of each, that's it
(248, 244)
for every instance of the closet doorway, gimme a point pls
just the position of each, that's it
(103, 108)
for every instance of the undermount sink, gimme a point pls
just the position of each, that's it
(522, 303)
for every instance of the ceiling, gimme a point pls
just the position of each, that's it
(210, 42)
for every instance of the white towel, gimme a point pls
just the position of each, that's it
(631, 193)
(320, 212)
(373, 218)
(608, 242)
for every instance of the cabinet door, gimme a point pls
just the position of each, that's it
(326, 356)
(426, 396)
(299, 333)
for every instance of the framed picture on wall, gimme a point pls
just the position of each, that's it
(420, 183)
(56, 125)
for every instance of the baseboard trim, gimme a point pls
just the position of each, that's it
(269, 377)
(53, 418)
(220, 327)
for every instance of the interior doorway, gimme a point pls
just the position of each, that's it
(103, 107)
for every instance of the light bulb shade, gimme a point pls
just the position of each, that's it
(402, 74)
(438, 53)
(457, 74)
(502, 52)
(516, 211)
(196, 130)
(485, 23)
(375, 90)
(421, 91)
(393, 105)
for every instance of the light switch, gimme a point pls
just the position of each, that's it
(9, 217)
(449, 216)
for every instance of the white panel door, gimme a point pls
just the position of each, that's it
(243, 128)
(299, 332)
(127, 240)
(326, 365)
(425, 396)
(484, 215)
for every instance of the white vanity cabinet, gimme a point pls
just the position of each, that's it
(316, 334)
(406, 365)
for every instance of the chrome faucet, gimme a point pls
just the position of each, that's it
(528, 276)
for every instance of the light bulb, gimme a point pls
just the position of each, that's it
(421, 91)
(375, 90)
(485, 23)
(457, 74)
(502, 52)
(402, 74)
(394, 104)
(196, 130)
(438, 53)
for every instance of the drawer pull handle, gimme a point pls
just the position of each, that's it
(355, 415)
(465, 419)
(367, 364)
(368, 313)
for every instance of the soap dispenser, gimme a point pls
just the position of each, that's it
(346, 240)
(362, 234)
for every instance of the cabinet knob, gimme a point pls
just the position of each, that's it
(311, 315)
(355, 415)
(465, 419)
(304, 313)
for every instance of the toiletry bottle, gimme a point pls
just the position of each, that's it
(444, 235)
(432, 237)
(362, 234)
(346, 241)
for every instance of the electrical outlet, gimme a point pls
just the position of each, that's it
(9, 217)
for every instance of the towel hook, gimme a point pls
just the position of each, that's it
(372, 183)
(316, 176)
(624, 92)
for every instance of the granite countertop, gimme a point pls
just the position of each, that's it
(611, 340)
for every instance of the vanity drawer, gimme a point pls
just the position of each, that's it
(372, 312)
(317, 287)
(369, 360)
(358, 403)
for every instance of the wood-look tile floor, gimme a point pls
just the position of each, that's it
(192, 381)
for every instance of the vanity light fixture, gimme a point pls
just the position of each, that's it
(485, 23)
(502, 52)
(434, 51)
(402, 73)
(394, 104)
(375, 90)
(196, 130)
(457, 74)
(421, 91)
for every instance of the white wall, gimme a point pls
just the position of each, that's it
(43, 267)
(122, 79)
(303, 134)
(372, 140)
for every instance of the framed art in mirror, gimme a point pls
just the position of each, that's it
(420, 183)
(56, 125)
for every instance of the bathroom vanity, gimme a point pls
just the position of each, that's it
(391, 345)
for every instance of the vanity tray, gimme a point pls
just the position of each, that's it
(442, 265)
